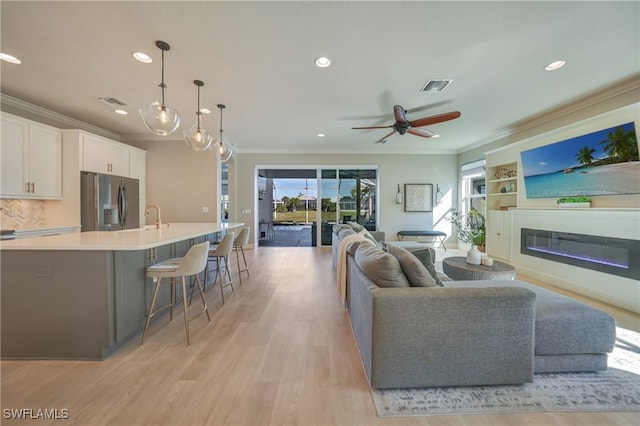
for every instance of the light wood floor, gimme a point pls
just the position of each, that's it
(280, 351)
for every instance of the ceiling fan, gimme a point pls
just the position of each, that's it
(402, 125)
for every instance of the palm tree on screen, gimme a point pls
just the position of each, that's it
(585, 155)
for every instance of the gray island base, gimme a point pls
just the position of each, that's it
(76, 301)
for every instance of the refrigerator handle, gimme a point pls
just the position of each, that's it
(122, 204)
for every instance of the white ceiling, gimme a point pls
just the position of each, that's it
(258, 59)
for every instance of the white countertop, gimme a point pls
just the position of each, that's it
(130, 239)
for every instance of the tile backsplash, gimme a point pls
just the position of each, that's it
(22, 214)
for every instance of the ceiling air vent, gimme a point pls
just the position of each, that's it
(112, 102)
(435, 85)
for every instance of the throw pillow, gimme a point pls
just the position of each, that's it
(368, 235)
(426, 255)
(356, 226)
(353, 246)
(342, 233)
(413, 268)
(381, 268)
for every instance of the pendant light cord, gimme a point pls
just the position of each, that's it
(162, 85)
(198, 112)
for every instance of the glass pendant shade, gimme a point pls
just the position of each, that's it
(223, 149)
(196, 137)
(221, 146)
(157, 116)
(160, 119)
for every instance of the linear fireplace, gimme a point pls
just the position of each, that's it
(617, 256)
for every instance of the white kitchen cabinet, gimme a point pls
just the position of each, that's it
(102, 155)
(137, 169)
(498, 239)
(31, 159)
(137, 159)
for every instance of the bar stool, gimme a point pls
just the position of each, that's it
(221, 254)
(242, 240)
(194, 262)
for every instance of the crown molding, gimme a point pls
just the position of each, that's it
(28, 110)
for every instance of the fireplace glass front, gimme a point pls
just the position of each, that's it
(617, 256)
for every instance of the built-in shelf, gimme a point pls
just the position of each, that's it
(502, 182)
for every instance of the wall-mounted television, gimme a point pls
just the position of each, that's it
(605, 162)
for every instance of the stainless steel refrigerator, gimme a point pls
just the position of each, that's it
(109, 203)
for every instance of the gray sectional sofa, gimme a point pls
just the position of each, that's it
(413, 331)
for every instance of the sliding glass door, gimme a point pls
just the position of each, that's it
(347, 195)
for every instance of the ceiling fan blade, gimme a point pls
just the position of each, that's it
(384, 138)
(399, 114)
(427, 106)
(372, 127)
(434, 119)
(421, 132)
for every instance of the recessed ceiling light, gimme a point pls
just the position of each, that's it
(554, 65)
(142, 57)
(120, 111)
(435, 136)
(321, 135)
(205, 110)
(323, 62)
(10, 58)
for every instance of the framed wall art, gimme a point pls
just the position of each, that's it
(418, 197)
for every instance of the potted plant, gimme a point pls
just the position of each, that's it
(471, 230)
(574, 202)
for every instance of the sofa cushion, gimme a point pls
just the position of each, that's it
(412, 267)
(381, 268)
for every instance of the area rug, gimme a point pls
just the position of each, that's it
(617, 389)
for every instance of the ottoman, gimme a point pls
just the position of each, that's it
(570, 336)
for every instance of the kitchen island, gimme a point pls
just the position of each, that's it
(81, 295)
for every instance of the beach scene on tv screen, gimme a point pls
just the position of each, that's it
(605, 162)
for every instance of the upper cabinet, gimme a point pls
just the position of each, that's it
(31, 159)
(102, 155)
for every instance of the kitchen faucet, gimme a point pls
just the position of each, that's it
(148, 210)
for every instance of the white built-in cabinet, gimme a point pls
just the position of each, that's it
(102, 155)
(498, 237)
(31, 159)
(502, 179)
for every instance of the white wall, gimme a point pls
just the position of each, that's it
(181, 182)
(393, 170)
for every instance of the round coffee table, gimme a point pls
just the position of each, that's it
(458, 269)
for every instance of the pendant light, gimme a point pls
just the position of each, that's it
(196, 137)
(158, 117)
(222, 147)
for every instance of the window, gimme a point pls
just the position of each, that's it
(473, 186)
